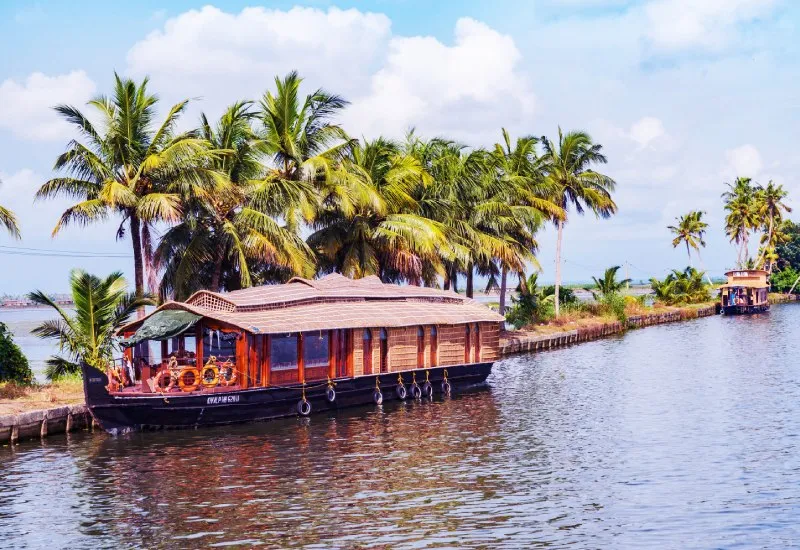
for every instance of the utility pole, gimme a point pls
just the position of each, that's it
(627, 276)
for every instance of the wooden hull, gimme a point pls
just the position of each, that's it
(744, 310)
(117, 414)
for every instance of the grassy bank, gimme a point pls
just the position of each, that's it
(16, 399)
(587, 318)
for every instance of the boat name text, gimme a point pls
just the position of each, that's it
(222, 399)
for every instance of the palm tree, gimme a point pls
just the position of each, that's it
(87, 336)
(681, 287)
(520, 170)
(568, 168)
(305, 147)
(380, 229)
(770, 206)
(9, 221)
(129, 168)
(231, 230)
(742, 217)
(608, 283)
(690, 231)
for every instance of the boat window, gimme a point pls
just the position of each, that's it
(283, 352)
(434, 347)
(420, 347)
(384, 336)
(220, 344)
(367, 334)
(467, 344)
(315, 349)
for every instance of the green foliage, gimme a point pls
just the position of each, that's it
(682, 287)
(782, 281)
(101, 307)
(13, 364)
(608, 284)
(789, 250)
(614, 303)
(533, 304)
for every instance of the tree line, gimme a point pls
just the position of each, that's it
(277, 188)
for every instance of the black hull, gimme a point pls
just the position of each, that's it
(118, 414)
(744, 310)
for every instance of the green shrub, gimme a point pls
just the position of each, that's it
(614, 304)
(782, 281)
(13, 364)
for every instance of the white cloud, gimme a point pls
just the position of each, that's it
(224, 56)
(27, 108)
(709, 24)
(744, 161)
(467, 89)
(646, 130)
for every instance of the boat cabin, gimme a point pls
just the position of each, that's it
(302, 332)
(745, 292)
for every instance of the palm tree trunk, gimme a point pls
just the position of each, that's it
(689, 253)
(217, 274)
(138, 268)
(503, 283)
(470, 279)
(558, 264)
(454, 278)
(766, 245)
(147, 258)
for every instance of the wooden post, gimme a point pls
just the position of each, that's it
(265, 360)
(241, 360)
(301, 367)
(331, 354)
(253, 362)
(198, 346)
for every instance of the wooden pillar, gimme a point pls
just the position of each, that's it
(253, 359)
(265, 367)
(301, 368)
(332, 353)
(241, 360)
(198, 345)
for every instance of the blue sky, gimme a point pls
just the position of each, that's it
(684, 96)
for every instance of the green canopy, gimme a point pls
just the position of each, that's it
(162, 325)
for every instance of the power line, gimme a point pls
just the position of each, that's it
(25, 251)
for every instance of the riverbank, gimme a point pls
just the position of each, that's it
(22, 415)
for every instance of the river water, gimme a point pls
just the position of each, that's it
(678, 436)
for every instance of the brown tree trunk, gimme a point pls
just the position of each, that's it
(503, 284)
(217, 274)
(454, 278)
(558, 264)
(470, 280)
(138, 267)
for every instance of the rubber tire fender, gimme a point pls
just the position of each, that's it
(416, 391)
(401, 391)
(303, 407)
(446, 389)
(427, 389)
(330, 394)
(377, 397)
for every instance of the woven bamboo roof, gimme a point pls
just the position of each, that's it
(332, 302)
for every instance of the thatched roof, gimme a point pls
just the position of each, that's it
(331, 302)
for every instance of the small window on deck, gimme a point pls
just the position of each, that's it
(220, 344)
(315, 349)
(283, 352)
(384, 351)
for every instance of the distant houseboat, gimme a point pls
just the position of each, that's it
(296, 348)
(745, 292)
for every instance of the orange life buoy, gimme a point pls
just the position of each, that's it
(210, 376)
(189, 379)
(161, 377)
(227, 374)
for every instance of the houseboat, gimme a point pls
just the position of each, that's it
(745, 292)
(297, 348)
